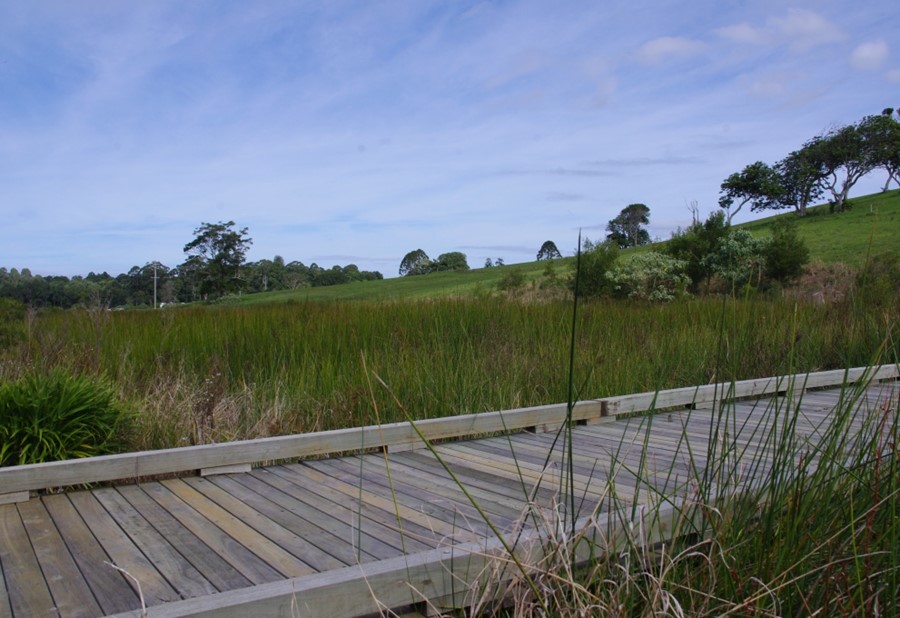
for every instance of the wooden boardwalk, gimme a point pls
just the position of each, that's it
(322, 532)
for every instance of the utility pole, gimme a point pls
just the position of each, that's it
(154, 284)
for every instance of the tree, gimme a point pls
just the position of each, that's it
(847, 154)
(757, 184)
(800, 176)
(884, 135)
(414, 263)
(453, 260)
(548, 251)
(216, 255)
(626, 230)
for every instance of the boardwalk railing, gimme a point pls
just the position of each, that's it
(16, 482)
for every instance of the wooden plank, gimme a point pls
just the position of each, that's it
(28, 592)
(438, 483)
(331, 516)
(110, 588)
(508, 486)
(340, 549)
(14, 497)
(242, 559)
(209, 564)
(281, 560)
(414, 523)
(123, 552)
(232, 469)
(437, 506)
(70, 591)
(180, 573)
(312, 556)
(5, 607)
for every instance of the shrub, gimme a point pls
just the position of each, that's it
(737, 258)
(696, 242)
(650, 276)
(596, 261)
(55, 416)
(512, 280)
(786, 254)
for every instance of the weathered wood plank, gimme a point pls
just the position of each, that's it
(322, 513)
(309, 554)
(14, 497)
(280, 559)
(71, 594)
(110, 588)
(180, 573)
(123, 552)
(338, 550)
(242, 559)
(413, 522)
(209, 564)
(29, 594)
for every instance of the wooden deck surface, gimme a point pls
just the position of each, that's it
(190, 537)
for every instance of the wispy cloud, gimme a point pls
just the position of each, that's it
(869, 56)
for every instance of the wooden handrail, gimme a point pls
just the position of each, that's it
(17, 481)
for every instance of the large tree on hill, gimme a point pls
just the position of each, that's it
(215, 256)
(548, 251)
(800, 178)
(627, 228)
(757, 184)
(846, 154)
(415, 262)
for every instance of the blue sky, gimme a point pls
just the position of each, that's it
(353, 132)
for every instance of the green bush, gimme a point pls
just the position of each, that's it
(56, 416)
(597, 259)
(650, 276)
(512, 280)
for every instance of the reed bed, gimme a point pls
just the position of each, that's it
(204, 374)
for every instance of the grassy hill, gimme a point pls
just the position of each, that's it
(872, 226)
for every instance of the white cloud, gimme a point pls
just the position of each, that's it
(869, 56)
(800, 29)
(669, 48)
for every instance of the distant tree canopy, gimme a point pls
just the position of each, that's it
(831, 163)
(627, 228)
(548, 251)
(417, 263)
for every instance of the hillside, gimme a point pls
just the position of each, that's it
(872, 226)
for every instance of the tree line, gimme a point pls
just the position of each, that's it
(828, 164)
(216, 266)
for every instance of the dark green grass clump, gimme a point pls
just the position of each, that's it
(55, 416)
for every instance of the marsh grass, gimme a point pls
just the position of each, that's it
(205, 374)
